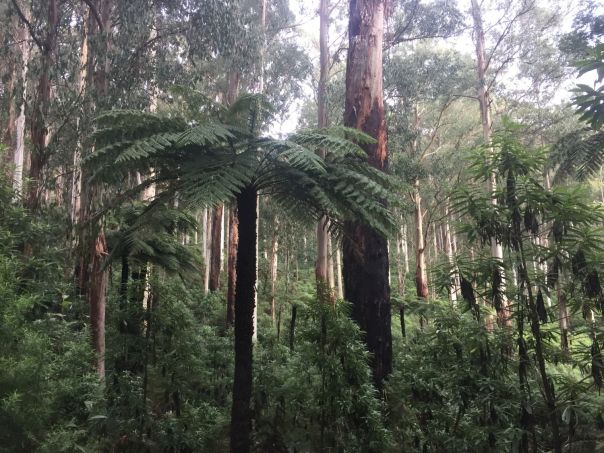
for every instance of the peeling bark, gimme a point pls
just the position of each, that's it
(365, 250)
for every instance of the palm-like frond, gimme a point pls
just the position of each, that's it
(580, 153)
(210, 163)
(150, 235)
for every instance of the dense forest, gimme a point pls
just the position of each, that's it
(302, 226)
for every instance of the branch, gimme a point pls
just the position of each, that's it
(437, 127)
(506, 30)
(30, 28)
(96, 14)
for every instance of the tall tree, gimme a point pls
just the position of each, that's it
(39, 122)
(499, 298)
(365, 256)
(322, 121)
(92, 273)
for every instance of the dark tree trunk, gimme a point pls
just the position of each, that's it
(231, 265)
(216, 246)
(124, 280)
(292, 327)
(241, 413)
(365, 251)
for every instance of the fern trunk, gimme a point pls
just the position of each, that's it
(241, 414)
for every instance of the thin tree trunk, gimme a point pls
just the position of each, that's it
(39, 125)
(97, 291)
(563, 319)
(321, 270)
(231, 265)
(215, 250)
(207, 250)
(450, 257)
(339, 273)
(285, 293)
(331, 276)
(224, 236)
(292, 327)
(241, 414)
(421, 276)
(405, 247)
(93, 280)
(365, 250)
(18, 139)
(274, 267)
(502, 308)
(82, 80)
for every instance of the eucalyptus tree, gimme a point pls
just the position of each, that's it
(209, 163)
(423, 84)
(365, 250)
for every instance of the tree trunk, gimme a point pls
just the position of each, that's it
(502, 308)
(365, 250)
(231, 96)
(292, 327)
(331, 277)
(82, 80)
(93, 280)
(451, 258)
(241, 413)
(216, 246)
(231, 264)
(563, 319)
(274, 266)
(18, 139)
(339, 273)
(321, 269)
(421, 276)
(97, 291)
(39, 126)
(207, 250)
(405, 247)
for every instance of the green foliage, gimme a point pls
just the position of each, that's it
(174, 394)
(582, 152)
(320, 396)
(452, 388)
(48, 391)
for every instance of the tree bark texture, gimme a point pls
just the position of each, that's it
(97, 291)
(365, 252)
(241, 414)
(231, 264)
(421, 276)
